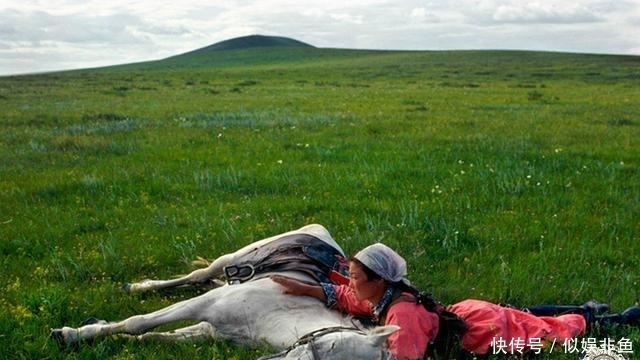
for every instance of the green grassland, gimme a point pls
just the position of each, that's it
(500, 175)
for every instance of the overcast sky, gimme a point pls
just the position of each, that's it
(46, 35)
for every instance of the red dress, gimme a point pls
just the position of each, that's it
(491, 328)
(496, 329)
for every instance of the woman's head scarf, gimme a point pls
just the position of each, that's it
(385, 262)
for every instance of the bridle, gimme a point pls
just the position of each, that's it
(311, 337)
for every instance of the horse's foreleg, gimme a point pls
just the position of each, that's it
(154, 285)
(210, 274)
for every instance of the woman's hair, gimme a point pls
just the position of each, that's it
(371, 275)
(451, 326)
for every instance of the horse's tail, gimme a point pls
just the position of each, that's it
(200, 262)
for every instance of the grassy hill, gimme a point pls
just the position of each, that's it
(253, 51)
(502, 175)
(251, 42)
(238, 50)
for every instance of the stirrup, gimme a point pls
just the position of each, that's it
(237, 274)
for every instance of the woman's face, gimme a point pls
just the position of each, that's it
(362, 287)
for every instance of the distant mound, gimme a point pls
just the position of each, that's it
(252, 41)
(242, 51)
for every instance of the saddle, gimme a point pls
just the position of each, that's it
(296, 252)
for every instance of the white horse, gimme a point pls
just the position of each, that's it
(249, 308)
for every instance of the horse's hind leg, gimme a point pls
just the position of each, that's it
(210, 274)
(134, 325)
(198, 332)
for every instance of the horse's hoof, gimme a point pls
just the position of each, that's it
(89, 321)
(137, 287)
(126, 288)
(56, 334)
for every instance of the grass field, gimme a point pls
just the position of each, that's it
(506, 176)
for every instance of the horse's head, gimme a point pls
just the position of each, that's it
(340, 343)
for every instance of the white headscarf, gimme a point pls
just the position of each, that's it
(385, 262)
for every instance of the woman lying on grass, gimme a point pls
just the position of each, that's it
(379, 291)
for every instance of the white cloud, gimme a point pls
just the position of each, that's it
(536, 12)
(38, 35)
(348, 18)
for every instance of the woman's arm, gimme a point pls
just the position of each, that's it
(296, 287)
(339, 297)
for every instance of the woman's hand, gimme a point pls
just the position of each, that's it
(290, 285)
(296, 287)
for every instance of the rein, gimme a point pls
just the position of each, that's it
(310, 339)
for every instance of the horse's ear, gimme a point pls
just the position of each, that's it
(379, 335)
